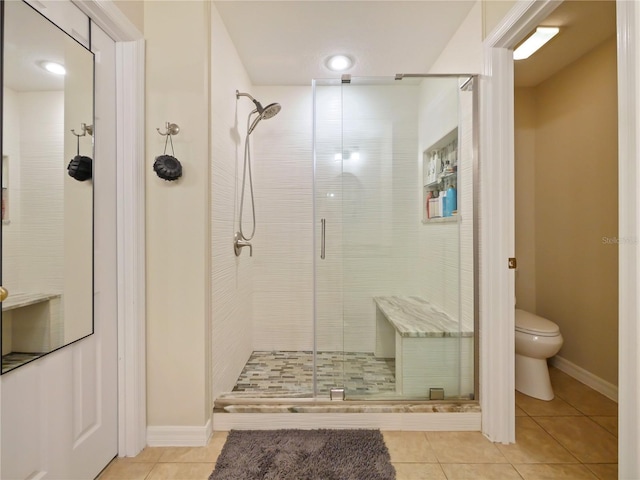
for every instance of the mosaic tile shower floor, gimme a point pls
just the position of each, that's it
(290, 374)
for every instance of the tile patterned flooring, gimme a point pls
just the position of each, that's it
(284, 374)
(573, 436)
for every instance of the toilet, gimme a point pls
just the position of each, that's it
(536, 339)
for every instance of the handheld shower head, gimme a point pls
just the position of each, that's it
(266, 113)
(271, 111)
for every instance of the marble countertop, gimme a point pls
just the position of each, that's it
(415, 317)
(18, 300)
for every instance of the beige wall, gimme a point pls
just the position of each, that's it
(134, 10)
(525, 196)
(492, 12)
(463, 53)
(575, 212)
(178, 317)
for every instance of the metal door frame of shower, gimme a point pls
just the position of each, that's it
(475, 133)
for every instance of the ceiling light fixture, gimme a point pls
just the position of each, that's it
(339, 63)
(54, 68)
(541, 36)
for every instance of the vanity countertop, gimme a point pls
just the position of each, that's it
(21, 299)
(415, 317)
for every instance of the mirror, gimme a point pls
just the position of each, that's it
(47, 215)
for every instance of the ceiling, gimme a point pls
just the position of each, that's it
(583, 26)
(30, 39)
(287, 42)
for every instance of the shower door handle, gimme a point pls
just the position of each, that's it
(323, 222)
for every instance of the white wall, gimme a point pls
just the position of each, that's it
(466, 199)
(463, 53)
(372, 230)
(447, 248)
(41, 204)
(11, 228)
(381, 210)
(439, 242)
(232, 278)
(283, 183)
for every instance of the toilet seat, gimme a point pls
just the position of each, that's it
(531, 324)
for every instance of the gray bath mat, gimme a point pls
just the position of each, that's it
(304, 455)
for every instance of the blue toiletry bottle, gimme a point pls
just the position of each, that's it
(443, 205)
(452, 200)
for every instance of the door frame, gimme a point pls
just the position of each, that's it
(497, 231)
(497, 228)
(628, 27)
(130, 215)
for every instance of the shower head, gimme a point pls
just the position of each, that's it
(270, 111)
(266, 113)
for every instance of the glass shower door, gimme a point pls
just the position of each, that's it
(328, 281)
(381, 227)
(394, 280)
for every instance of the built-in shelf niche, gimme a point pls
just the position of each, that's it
(440, 171)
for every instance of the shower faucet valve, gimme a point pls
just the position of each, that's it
(239, 243)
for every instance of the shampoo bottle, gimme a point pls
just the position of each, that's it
(452, 200)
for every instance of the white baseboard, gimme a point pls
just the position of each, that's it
(599, 385)
(458, 421)
(179, 436)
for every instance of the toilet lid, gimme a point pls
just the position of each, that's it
(529, 323)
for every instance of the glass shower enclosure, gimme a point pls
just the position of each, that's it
(394, 228)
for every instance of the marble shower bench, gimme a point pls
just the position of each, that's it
(432, 350)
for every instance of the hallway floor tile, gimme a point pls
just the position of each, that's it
(572, 437)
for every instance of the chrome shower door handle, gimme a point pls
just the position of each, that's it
(323, 222)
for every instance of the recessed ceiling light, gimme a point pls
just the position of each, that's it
(541, 36)
(54, 67)
(339, 63)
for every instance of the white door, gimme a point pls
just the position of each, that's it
(59, 412)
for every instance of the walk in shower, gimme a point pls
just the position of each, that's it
(385, 303)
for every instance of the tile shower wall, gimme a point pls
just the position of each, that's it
(447, 248)
(380, 213)
(232, 278)
(329, 196)
(33, 232)
(467, 219)
(407, 258)
(11, 228)
(384, 206)
(283, 183)
(36, 195)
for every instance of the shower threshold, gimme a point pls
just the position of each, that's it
(315, 405)
(313, 413)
